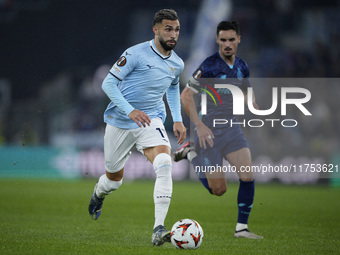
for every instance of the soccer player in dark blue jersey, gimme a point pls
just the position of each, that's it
(215, 142)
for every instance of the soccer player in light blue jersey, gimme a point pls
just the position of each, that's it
(136, 85)
(215, 143)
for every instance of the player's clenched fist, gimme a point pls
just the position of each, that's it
(141, 118)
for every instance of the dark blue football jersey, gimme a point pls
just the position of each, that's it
(215, 70)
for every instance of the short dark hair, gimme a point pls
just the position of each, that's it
(228, 25)
(169, 14)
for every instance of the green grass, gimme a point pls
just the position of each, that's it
(50, 217)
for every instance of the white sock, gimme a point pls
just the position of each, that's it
(191, 155)
(105, 186)
(241, 226)
(163, 187)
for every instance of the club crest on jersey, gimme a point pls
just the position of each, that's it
(173, 69)
(121, 61)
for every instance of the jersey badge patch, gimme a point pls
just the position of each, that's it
(198, 74)
(121, 61)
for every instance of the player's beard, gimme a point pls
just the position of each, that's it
(229, 54)
(165, 45)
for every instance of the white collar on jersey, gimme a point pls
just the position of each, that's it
(153, 47)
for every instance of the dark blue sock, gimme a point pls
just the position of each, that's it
(245, 200)
(202, 177)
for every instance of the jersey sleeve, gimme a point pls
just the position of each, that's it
(175, 81)
(173, 98)
(178, 72)
(109, 86)
(245, 81)
(125, 64)
(193, 83)
(202, 71)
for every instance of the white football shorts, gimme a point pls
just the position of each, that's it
(119, 142)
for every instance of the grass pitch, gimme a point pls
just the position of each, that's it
(51, 217)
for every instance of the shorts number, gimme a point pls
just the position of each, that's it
(160, 131)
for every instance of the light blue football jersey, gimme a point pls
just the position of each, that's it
(144, 76)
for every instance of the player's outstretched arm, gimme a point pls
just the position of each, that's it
(110, 87)
(173, 98)
(253, 100)
(204, 133)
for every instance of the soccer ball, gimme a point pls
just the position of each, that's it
(186, 234)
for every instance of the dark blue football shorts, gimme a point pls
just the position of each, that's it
(226, 140)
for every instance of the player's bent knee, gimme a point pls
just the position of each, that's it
(218, 186)
(162, 165)
(219, 190)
